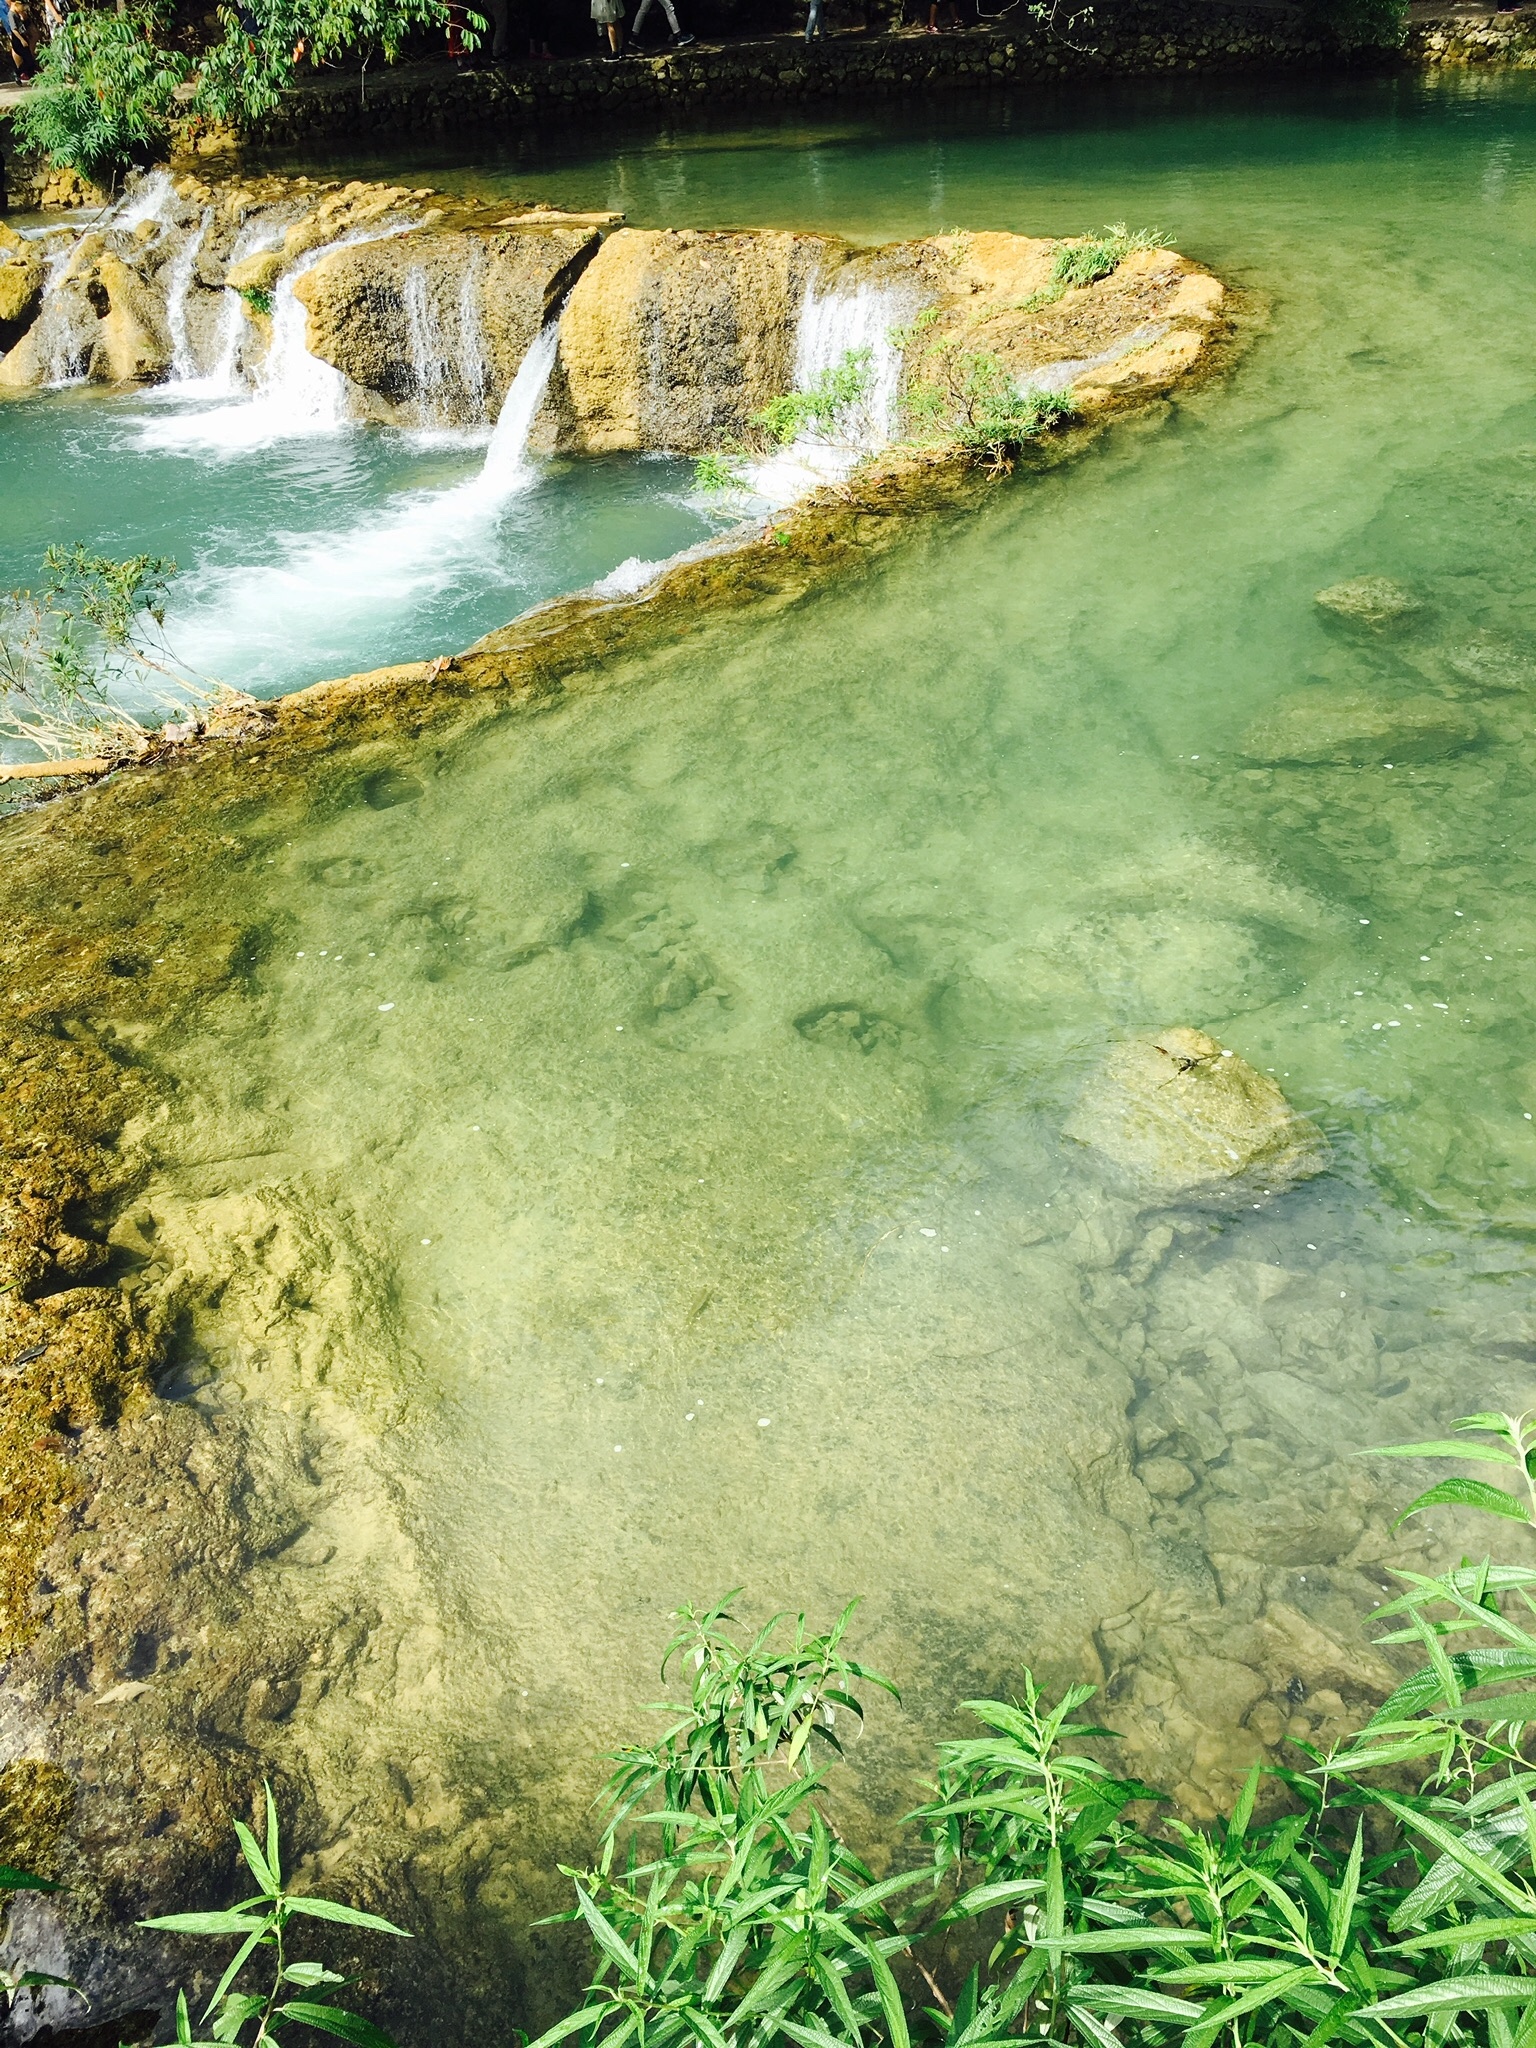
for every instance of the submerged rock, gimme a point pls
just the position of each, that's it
(1369, 601)
(1183, 1118)
(1316, 727)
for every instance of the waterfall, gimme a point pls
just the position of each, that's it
(295, 396)
(833, 324)
(449, 371)
(150, 198)
(429, 369)
(507, 468)
(315, 584)
(474, 370)
(178, 283)
(64, 343)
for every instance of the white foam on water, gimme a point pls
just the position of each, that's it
(321, 585)
(632, 574)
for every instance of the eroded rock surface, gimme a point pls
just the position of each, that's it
(674, 338)
(1183, 1119)
(433, 325)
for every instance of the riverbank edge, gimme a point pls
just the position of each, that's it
(1142, 39)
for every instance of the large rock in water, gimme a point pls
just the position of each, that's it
(673, 339)
(374, 307)
(21, 286)
(1180, 1118)
(1317, 727)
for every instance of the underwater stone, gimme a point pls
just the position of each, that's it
(1316, 727)
(1369, 601)
(1181, 1118)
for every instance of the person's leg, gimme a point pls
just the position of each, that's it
(813, 20)
(640, 15)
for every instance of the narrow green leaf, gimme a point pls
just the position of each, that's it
(1453, 1994)
(608, 1940)
(205, 1923)
(1448, 1449)
(1114, 1940)
(241, 1956)
(1469, 1933)
(573, 2023)
(274, 1847)
(890, 1997)
(333, 2019)
(1468, 1493)
(260, 1869)
(23, 1881)
(1127, 2001)
(347, 1916)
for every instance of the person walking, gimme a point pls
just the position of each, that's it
(18, 37)
(813, 21)
(679, 40)
(609, 16)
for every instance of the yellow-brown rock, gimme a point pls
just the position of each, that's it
(673, 339)
(1181, 1117)
(21, 286)
(368, 303)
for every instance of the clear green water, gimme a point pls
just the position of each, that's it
(606, 1272)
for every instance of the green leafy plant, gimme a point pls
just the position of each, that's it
(256, 296)
(1395, 1914)
(820, 407)
(261, 1924)
(94, 622)
(750, 1922)
(971, 397)
(720, 471)
(1091, 257)
(105, 92)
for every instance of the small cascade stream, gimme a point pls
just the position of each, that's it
(178, 284)
(833, 325)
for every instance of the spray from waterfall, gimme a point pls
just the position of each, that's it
(429, 368)
(327, 585)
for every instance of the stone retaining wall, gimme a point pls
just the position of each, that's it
(1503, 39)
(1136, 40)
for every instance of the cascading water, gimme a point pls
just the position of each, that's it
(178, 284)
(429, 368)
(296, 395)
(847, 321)
(385, 568)
(474, 369)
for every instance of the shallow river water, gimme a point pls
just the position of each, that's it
(638, 1157)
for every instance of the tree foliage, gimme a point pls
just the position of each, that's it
(105, 92)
